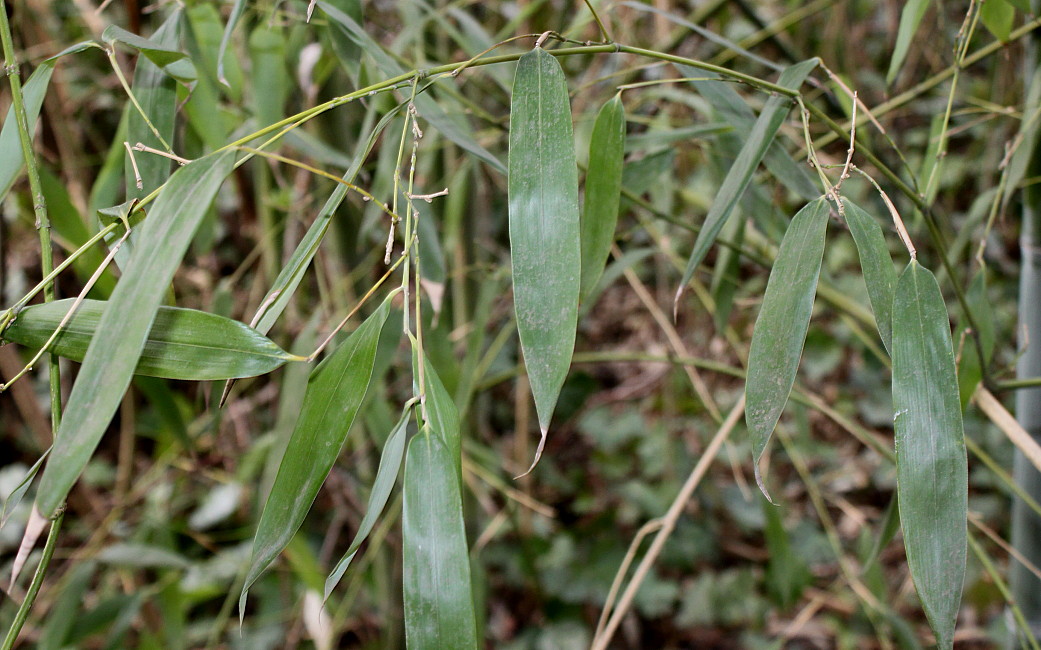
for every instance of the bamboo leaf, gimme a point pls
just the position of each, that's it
(156, 92)
(440, 412)
(236, 14)
(386, 477)
(910, 18)
(740, 174)
(181, 344)
(123, 329)
(270, 79)
(544, 226)
(732, 108)
(780, 330)
(348, 53)
(877, 266)
(162, 53)
(293, 272)
(998, 17)
(439, 608)
(932, 476)
(451, 126)
(603, 191)
(33, 92)
(335, 391)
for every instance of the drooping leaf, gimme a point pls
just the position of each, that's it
(451, 125)
(438, 599)
(441, 414)
(233, 19)
(603, 191)
(997, 16)
(181, 344)
(877, 266)
(270, 79)
(740, 174)
(123, 329)
(386, 477)
(780, 329)
(910, 18)
(156, 92)
(544, 225)
(293, 272)
(346, 50)
(33, 92)
(970, 367)
(1026, 138)
(335, 391)
(731, 107)
(932, 476)
(163, 54)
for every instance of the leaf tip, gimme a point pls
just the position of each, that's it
(33, 529)
(762, 485)
(538, 454)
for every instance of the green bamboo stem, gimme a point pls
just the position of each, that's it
(1026, 526)
(43, 225)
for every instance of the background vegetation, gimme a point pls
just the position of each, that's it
(157, 536)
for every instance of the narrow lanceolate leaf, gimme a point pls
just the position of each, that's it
(740, 174)
(932, 476)
(451, 125)
(439, 607)
(440, 412)
(124, 325)
(156, 92)
(780, 330)
(729, 105)
(33, 92)
(182, 343)
(162, 53)
(544, 226)
(335, 391)
(877, 266)
(910, 18)
(603, 191)
(386, 477)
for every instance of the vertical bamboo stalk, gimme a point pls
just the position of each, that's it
(1026, 525)
(43, 224)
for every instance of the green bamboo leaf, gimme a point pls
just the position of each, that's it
(270, 79)
(160, 52)
(998, 17)
(440, 412)
(780, 330)
(910, 18)
(544, 226)
(123, 329)
(335, 391)
(932, 476)
(347, 52)
(438, 598)
(877, 266)
(603, 191)
(182, 343)
(740, 174)
(732, 108)
(386, 477)
(156, 92)
(452, 126)
(33, 93)
(293, 272)
(236, 14)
